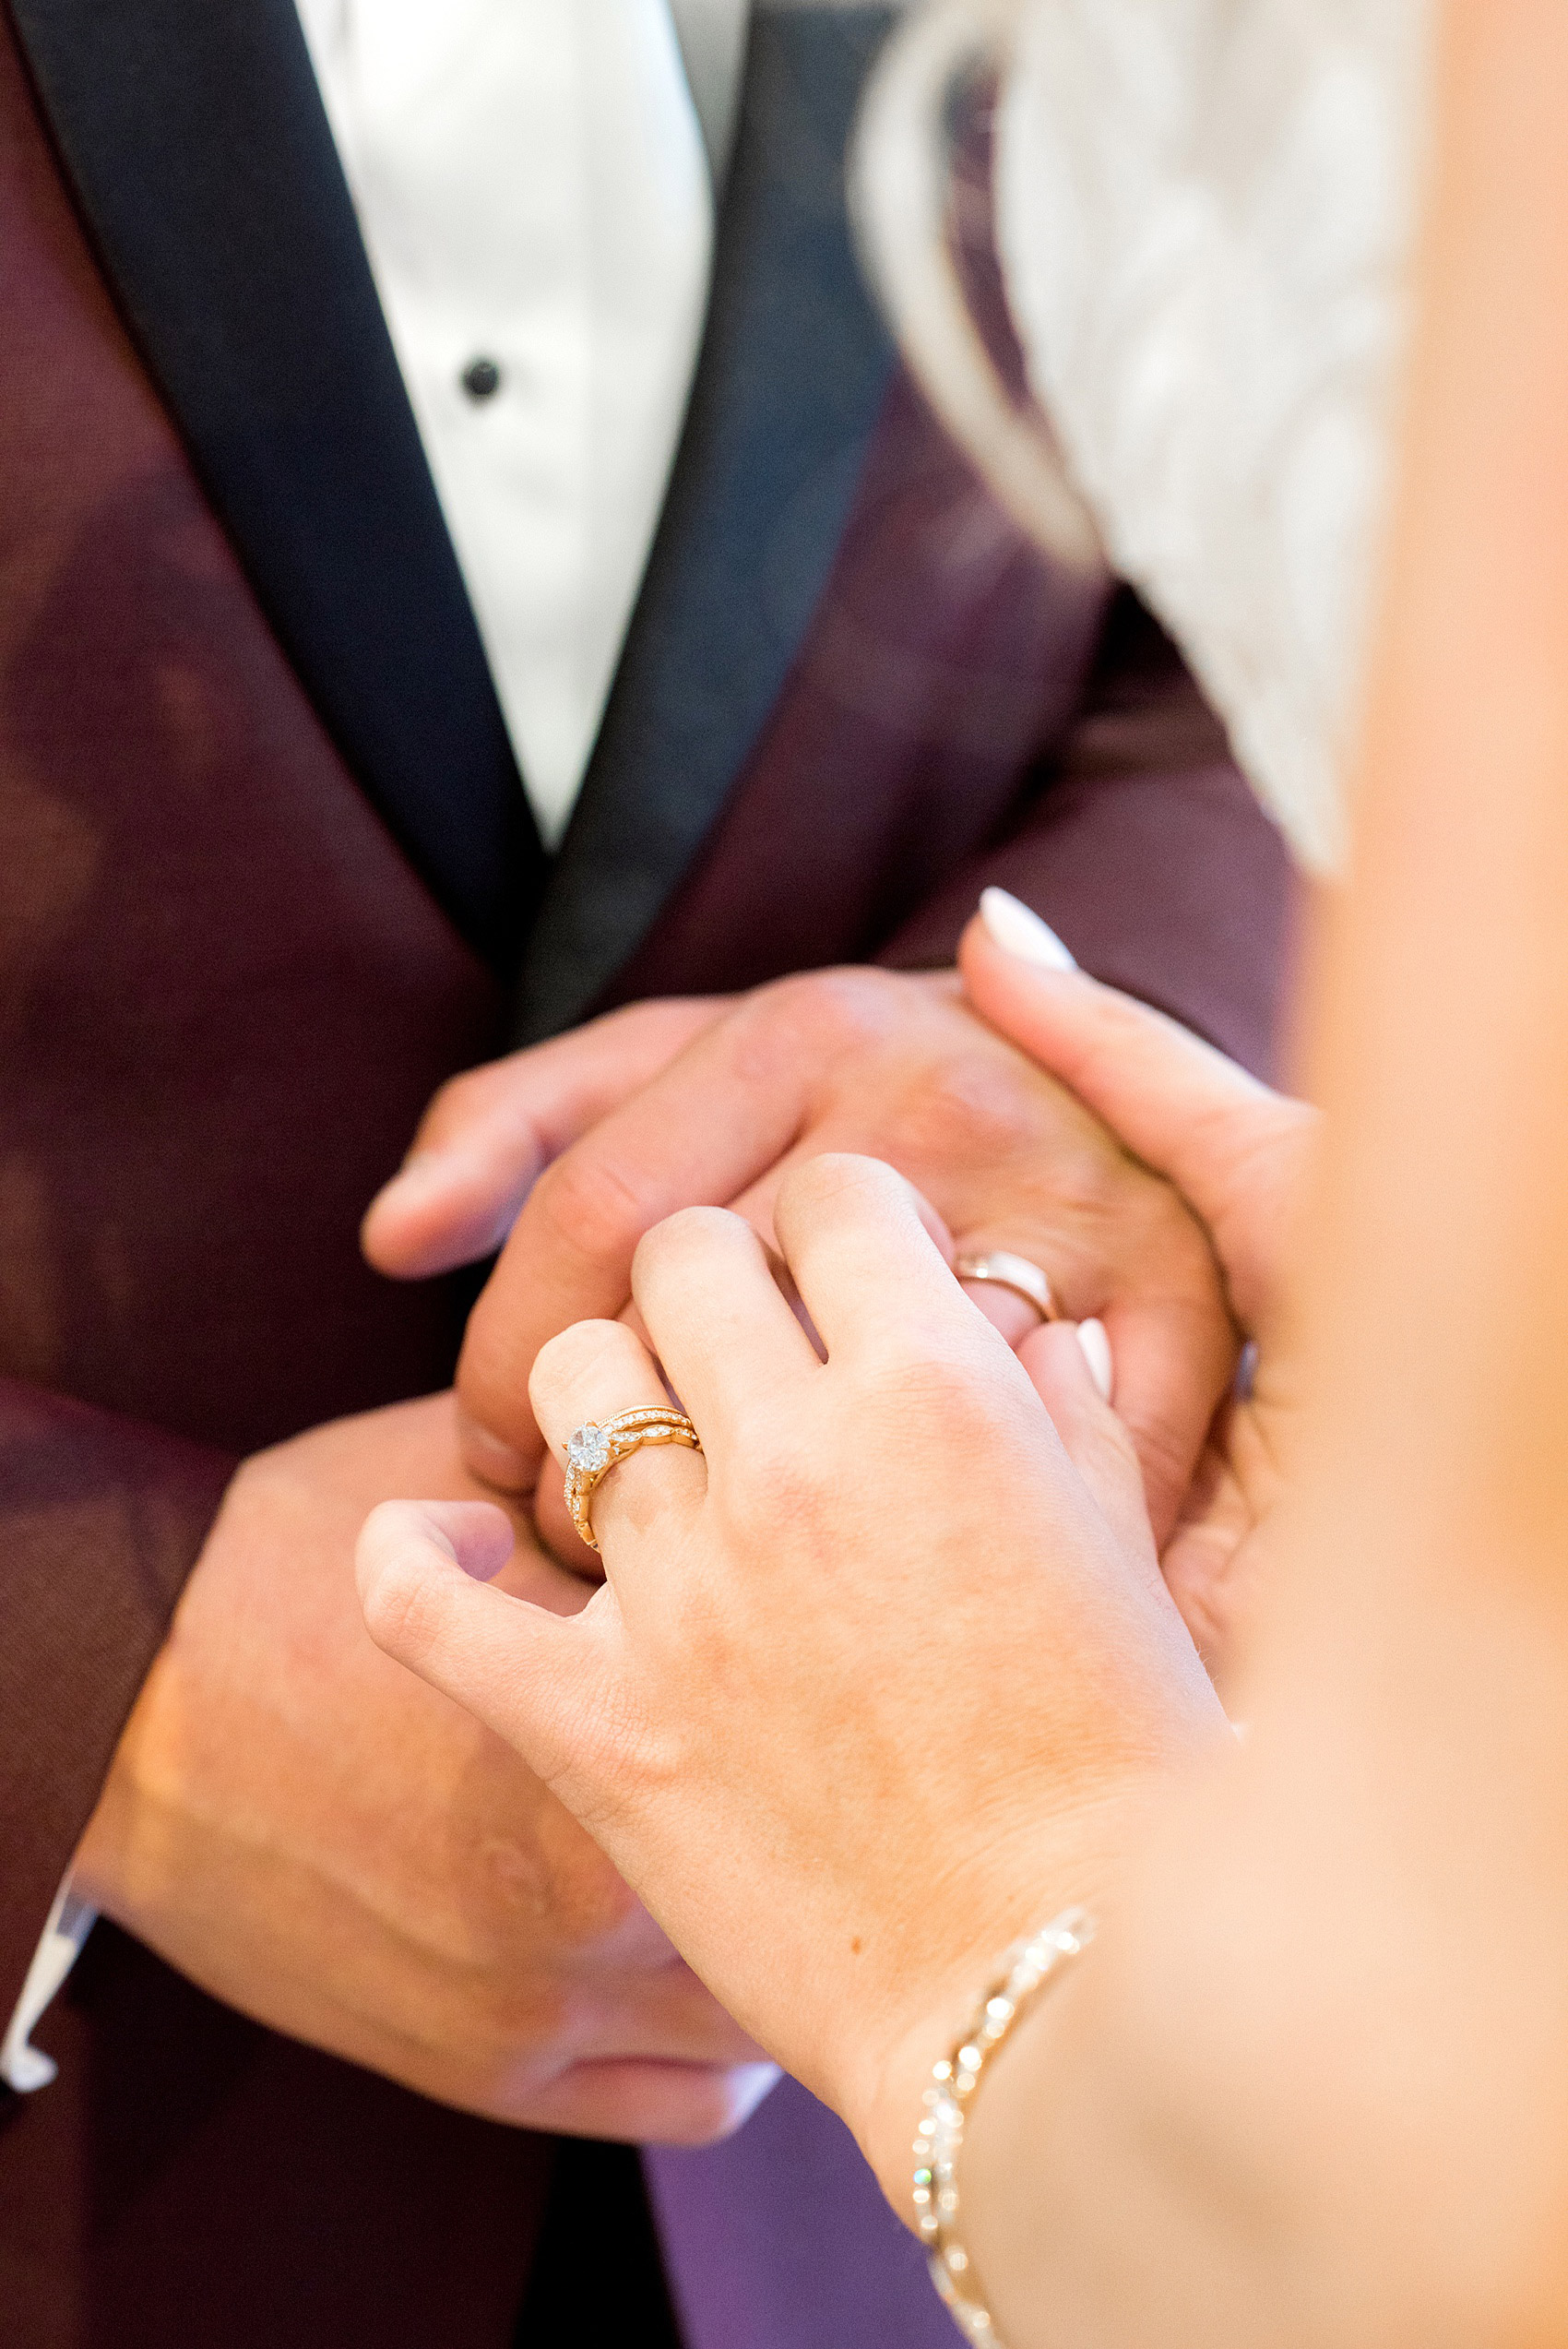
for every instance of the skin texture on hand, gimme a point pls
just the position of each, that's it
(489, 1133)
(888, 1665)
(1241, 1155)
(896, 1065)
(1310, 2088)
(313, 1835)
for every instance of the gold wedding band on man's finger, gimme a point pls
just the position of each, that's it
(594, 1448)
(592, 1451)
(1005, 1270)
(1025, 1280)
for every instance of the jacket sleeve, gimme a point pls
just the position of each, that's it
(100, 1521)
(1146, 850)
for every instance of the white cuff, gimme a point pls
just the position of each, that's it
(70, 1920)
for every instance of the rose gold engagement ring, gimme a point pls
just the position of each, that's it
(592, 1451)
(1014, 1272)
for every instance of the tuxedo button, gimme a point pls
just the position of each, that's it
(481, 379)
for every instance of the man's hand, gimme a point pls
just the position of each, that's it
(312, 1834)
(718, 1101)
(489, 1133)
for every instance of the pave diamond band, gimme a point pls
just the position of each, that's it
(593, 1451)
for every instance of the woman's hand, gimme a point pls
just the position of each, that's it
(877, 1680)
(591, 1140)
(1238, 1154)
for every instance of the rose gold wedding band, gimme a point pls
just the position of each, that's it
(1014, 1272)
(593, 1451)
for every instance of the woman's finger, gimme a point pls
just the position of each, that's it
(1141, 1071)
(1236, 1151)
(702, 1129)
(590, 1374)
(724, 1330)
(1065, 1362)
(867, 1267)
(1004, 1310)
(537, 1679)
(1173, 1363)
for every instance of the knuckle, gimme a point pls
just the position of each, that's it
(780, 1484)
(490, 1363)
(943, 1402)
(691, 1231)
(589, 1902)
(952, 1390)
(584, 1347)
(401, 1607)
(781, 1481)
(576, 1356)
(1109, 1222)
(493, 1103)
(619, 1766)
(1180, 1259)
(1091, 1180)
(456, 1103)
(966, 1107)
(835, 1010)
(843, 1179)
(587, 1205)
(1122, 1019)
(1111, 1026)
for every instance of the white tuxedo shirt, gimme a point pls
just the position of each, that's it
(534, 194)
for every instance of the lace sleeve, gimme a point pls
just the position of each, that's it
(1207, 214)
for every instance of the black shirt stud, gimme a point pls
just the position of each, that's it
(481, 379)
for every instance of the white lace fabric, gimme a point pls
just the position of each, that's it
(1208, 212)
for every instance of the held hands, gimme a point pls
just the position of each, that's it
(890, 1665)
(313, 1835)
(877, 1679)
(346, 1855)
(599, 1136)
(1239, 1155)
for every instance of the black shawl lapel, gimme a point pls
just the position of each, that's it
(793, 368)
(194, 137)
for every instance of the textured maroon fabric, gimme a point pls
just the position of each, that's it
(961, 713)
(191, 2182)
(224, 999)
(1143, 846)
(103, 1519)
(943, 655)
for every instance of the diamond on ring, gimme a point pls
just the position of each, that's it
(592, 1451)
(587, 1450)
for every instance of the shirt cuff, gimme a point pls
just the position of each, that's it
(25, 2068)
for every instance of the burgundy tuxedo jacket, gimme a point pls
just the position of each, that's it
(267, 877)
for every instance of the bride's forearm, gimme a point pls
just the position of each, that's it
(1311, 2083)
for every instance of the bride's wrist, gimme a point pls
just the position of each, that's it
(884, 2081)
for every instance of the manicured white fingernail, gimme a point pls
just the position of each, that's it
(1096, 1354)
(1017, 929)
